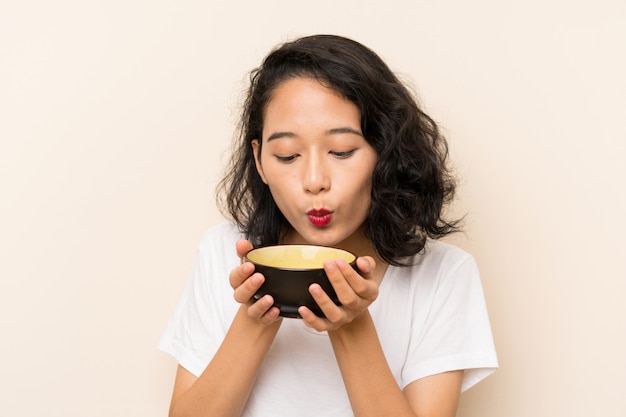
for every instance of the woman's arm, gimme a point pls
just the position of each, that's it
(223, 388)
(371, 387)
(435, 395)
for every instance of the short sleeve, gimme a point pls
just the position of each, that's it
(456, 333)
(206, 307)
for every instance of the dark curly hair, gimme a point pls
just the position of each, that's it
(411, 183)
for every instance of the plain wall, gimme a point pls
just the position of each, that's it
(115, 117)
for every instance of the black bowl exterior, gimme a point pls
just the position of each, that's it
(290, 289)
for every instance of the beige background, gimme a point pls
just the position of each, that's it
(114, 119)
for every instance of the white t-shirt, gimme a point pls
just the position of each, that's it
(430, 318)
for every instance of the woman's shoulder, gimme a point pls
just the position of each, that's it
(438, 251)
(441, 249)
(436, 259)
(220, 236)
(223, 229)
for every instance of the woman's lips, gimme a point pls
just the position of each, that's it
(319, 217)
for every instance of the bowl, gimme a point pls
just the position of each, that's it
(289, 270)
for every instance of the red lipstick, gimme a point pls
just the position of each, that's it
(319, 217)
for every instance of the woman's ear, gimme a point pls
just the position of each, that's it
(256, 150)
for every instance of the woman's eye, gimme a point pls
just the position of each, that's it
(287, 158)
(343, 154)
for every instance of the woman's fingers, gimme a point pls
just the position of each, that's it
(362, 282)
(311, 320)
(332, 312)
(243, 280)
(355, 290)
(263, 309)
(366, 265)
(245, 283)
(352, 286)
(246, 290)
(240, 274)
(243, 247)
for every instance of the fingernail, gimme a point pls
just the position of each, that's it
(315, 289)
(330, 265)
(257, 279)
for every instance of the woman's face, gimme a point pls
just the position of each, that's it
(317, 164)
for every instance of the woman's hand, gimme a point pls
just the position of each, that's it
(246, 282)
(355, 292)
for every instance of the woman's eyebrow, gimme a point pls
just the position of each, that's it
(343, 130)
(278, 135)
(329, 132)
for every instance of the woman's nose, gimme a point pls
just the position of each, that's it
(316, 177)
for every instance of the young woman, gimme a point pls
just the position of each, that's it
(333, 151)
